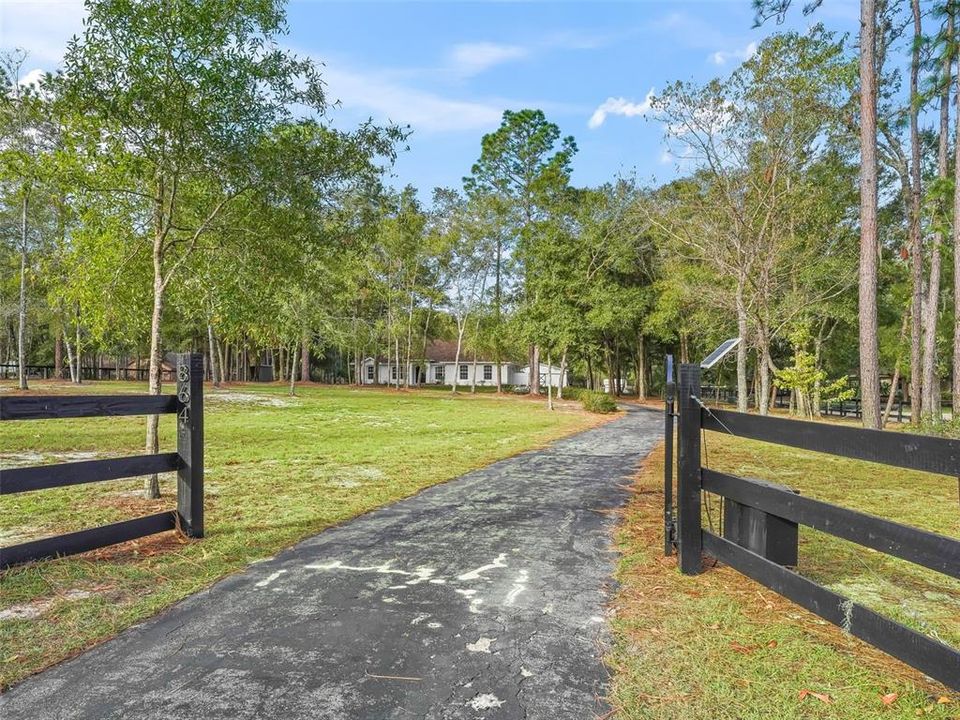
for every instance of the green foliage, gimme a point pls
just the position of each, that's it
(598, 402)
(806, 379)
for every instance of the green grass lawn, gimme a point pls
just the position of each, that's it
(721, 646)
(278, 469)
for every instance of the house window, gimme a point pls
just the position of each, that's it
(438, 373)
(464, 371)
(488, 372)
(369, 372)
(393, 372)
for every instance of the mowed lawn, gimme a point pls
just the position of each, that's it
(278, 469)
(720, 646)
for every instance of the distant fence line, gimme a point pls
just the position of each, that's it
(10, 371)
(852, 407)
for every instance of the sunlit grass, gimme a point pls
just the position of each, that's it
(720, 646)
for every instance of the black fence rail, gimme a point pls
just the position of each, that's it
(187, 461)
(762, 541)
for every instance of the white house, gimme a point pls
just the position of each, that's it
(439, 367)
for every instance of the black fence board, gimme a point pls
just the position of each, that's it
(915, 452)
(84, 540)
(40, 477)
(48, 407)
(937, 552)
(934, 658)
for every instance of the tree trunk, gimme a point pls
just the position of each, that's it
(151, 485)
(220, 355)
(867, 284)
(641, 368)
(293, 368)
(212, 345)
(305, 360)
(896, 373)
(563, 374)
(22, 306)
(549, 382)
(461, 327)
(58, 357)
(73, 374)
(742, 391)
(955, 386)
(497, 356)
(931, 383)
(534, 356)
(916, 238)
(396, 348)
(77, 349)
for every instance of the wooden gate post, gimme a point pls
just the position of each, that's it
(690, 540)
(190, 443)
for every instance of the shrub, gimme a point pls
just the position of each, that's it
(598, 402)
(574, 393)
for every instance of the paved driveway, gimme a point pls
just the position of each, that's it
(480, 598)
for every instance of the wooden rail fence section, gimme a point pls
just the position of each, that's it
(187, 461)
(916, 452)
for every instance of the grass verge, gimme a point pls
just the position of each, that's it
(278, 469)
(720, 646)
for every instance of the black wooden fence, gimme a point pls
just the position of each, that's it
(187, 461)
(757, 548)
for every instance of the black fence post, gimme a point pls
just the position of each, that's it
(190, 443)
(688, 472)
(670, 392)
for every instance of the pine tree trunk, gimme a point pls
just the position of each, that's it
(955, 385)
(867, 281)
(916, 238)
(931, 383)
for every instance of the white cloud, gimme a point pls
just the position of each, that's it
(722, 57)
(33, 77)
(423, 110)
(619, 106)
(473, 58)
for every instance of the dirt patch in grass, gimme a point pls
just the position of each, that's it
(720, 646)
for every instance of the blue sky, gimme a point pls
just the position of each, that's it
(449, 69)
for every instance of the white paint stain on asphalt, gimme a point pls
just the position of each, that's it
(270, 578)
(481, 645)
(486, 701)
(382, 569)
(421, 574)
(519, 585)
(498, 562)
(475, 606)
(468, 593)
